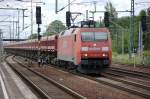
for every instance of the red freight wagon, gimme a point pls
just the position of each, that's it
(49, 43)
(29, 48)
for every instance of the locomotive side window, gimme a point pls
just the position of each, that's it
(75, 37)
(94, 36)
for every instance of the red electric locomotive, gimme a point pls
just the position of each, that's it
(89, 49)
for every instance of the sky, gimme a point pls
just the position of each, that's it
(49, 15)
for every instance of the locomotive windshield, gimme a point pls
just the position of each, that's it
(94, 36)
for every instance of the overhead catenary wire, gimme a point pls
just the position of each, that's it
(66, 6)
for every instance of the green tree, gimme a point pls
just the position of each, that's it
(123, 22)
(146, 34)
(113, 28)
(33, 36)
(142, 13)
(54, 28)
(148, 11)
(112, 10)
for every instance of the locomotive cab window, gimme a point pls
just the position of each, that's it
(101, 36)
(87, 36)
(94, 36)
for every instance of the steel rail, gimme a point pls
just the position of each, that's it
(111, 76)
(29, 82)
(135, 73)
(66, 89)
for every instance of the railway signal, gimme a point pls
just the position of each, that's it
(38, 15)
(68, 18)
(106, 19)
(143, 23)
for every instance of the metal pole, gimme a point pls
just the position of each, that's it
(10, 33)
(117, 43)
(133, 23)
(93, 15)
(95, 6)
(56, 6)
(18, 25)
(122, 42)
(23, 19)
(139, 39)
(100, 22)
(141, 43)
(68, 5)
(132, 29)
(87, 15)
(13, 28)
(16, 29)
(31, 17)
(1, 46)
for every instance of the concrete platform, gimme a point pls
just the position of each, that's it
(2, 90)
(11, 86)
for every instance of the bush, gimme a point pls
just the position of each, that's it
(124, 59)
(119, 58)
(147, 53)
(147, 57)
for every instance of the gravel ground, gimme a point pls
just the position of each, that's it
(85, 87)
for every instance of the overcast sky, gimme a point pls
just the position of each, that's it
(48, 12)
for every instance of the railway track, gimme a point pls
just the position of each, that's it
(138, 88)
(138, 65)
(129, 72)
(128, 80)
(114, 81)
(121, 84)
(131, 81)
(44, 86)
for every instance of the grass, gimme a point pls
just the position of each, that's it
(124, 59)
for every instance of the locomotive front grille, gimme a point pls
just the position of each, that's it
(94, 61)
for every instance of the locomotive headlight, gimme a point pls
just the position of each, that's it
(85, 55)
(105, 48)
(84, 48)
(104, 54)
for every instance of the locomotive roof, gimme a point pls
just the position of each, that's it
(68, 32)
(73, 31)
